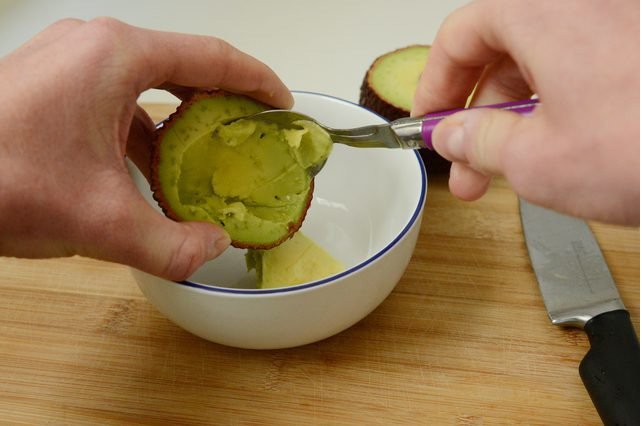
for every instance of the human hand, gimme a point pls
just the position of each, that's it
(69, 116)
(579, 152)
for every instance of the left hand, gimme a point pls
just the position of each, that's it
(69, 117)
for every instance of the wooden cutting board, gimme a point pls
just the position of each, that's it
(462, 340)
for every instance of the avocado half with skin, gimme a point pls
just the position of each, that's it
(252, 178)
(389, 86)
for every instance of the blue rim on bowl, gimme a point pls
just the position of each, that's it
(347, 272)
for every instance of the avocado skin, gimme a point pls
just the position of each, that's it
(370, 99)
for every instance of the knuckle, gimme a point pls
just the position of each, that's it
(506, 79)
(482, 137)
(184, 259)
(448, 32)
(490, 145)
(224, 55)
(451, 22)
(65, 23)
(107, 25)
(108, 45)
(222, 47)
(106, 34)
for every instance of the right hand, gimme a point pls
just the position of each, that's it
(579, 152)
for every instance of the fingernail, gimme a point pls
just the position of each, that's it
(220, 242)
(449, 141)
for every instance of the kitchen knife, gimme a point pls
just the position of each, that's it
(578, 291)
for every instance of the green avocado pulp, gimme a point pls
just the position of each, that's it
(397, 74)
(250, 177)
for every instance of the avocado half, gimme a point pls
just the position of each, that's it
(389, 86)
(252, 178)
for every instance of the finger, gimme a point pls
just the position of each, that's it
(466, 183)
(464, 45)
(139, 140)
(125, 229)
(501, 81)
(484, 138)
(486, 142)
(538, 162)
(203, 62)
(175, 250)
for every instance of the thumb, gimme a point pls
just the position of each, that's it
(143, 238)
(480, 138)
(177, 249)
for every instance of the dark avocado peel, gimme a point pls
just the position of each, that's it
(254, 179)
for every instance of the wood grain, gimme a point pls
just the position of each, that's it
(463, 340)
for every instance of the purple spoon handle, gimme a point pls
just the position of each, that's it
(429, 121)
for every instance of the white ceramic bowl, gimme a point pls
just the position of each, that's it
(366, 212)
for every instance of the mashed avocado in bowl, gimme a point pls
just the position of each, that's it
(296, 261)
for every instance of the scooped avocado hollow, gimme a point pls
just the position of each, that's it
(254, 179)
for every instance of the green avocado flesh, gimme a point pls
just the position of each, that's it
(296, 261)
(396, 75)
(250, 177)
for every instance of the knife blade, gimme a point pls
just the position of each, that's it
(578, 291)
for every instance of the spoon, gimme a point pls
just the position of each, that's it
(405, 133)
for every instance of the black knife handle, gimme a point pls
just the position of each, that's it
(611, 368)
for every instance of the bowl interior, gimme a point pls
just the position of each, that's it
(364, 199)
